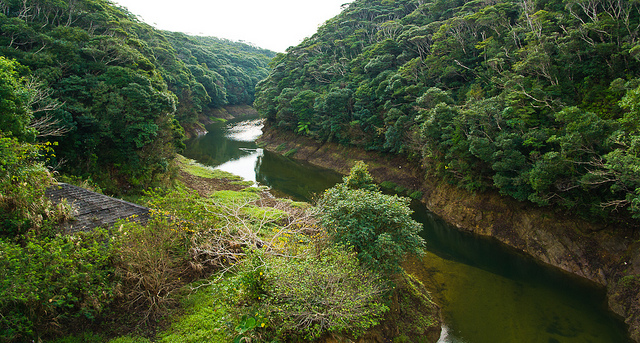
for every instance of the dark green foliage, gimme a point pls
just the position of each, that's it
(379, 227)
(537, 99)
(121, 88)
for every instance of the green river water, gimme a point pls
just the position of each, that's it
(488, 292)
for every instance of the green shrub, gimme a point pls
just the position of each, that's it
(281, 147)
(400, 190)
(252, 276)
(312, 295)
(378, 226)
(359, 178)
(417, 195)
(388, 185)
(47, 283)
(23, 180)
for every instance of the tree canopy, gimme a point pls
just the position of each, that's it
(536, 99)
(119, 87)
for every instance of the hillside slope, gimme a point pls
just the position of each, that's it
(112, 91)
(536, 99)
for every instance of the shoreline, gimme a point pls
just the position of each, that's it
(602, 254)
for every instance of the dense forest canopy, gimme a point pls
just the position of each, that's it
(117, 88)
(539, 99)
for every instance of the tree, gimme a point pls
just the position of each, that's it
(15, 114)
(379, 227)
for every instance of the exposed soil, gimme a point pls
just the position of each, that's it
(206, 186)
(595, 251)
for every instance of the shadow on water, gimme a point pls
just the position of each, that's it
(489, 293)
(295, 179)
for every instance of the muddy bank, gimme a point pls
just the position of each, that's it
(607, 255)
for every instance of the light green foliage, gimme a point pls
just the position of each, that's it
(23, 180)
(234, 196)
(379, 227)
(290, 152)
(196, 169)
(316, 294)
(359, 178)
(209, 313)
(15, 114)
(46, 283)
(268, 214)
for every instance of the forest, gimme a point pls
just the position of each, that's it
(537, 99)
(114, 93)
(90, 95)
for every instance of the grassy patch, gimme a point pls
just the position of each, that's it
(243, 183)
(264, 213)
(417, 195)
(388, 185)
(194, 168)
(281, 147)
(208, 315)
(130, 339)
(235, 197)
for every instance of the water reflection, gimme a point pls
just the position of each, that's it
(300, 181)
(491, 293)
(488, 292)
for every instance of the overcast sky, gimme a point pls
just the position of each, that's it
(270, 24)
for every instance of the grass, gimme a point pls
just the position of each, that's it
(234, 196)
(194, 168)
(290, 152)
(208, 314)
(264, 213)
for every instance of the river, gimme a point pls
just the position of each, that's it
(489, 293)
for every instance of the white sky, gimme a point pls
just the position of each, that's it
(270, 24)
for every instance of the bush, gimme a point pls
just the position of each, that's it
(417, 195)
(313, 295)
(153, 263)
(50, 282)
(23, 181)
(378, 226)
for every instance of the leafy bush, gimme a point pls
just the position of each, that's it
(49, 282)
(330, 292)
(417, 195)
(23, 181)
(378, 226)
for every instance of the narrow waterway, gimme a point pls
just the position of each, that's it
(489, 293)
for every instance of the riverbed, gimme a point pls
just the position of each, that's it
(487, 291)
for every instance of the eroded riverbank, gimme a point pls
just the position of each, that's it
(605, 255)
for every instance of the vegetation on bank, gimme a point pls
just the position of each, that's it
(536, 99)
(114, 92)
(228, 266)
